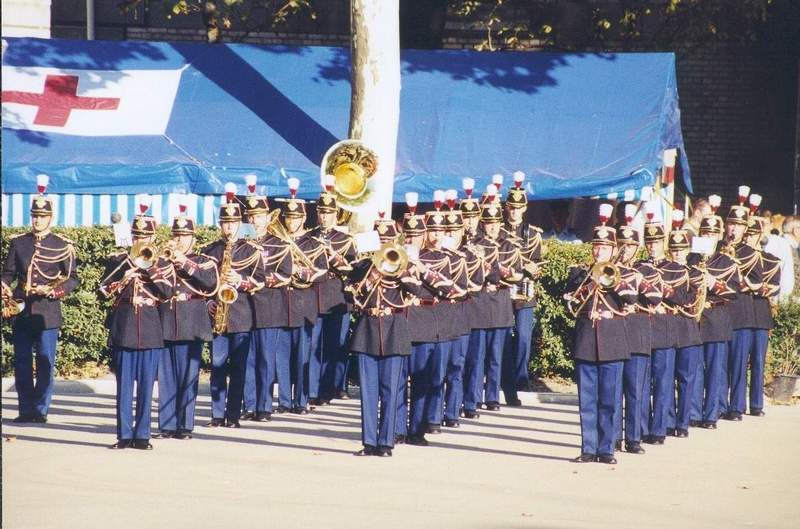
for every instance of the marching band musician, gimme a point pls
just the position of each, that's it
(329, 358)
(241, 273)
(186, 326)
(765, 282)
(595, 297)
(466, 271)
(635, 373)
(381, 339)
(528, 238)
(470, 211)
(741, 307)
(43, 265)
(722, 280)
(310, 266)
(485, 351)
(137, 282)
(429, 358)
(682, 284)
(269, 315)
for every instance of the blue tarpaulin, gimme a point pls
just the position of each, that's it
(576, 124)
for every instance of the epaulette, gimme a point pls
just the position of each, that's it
(11, 238)
(65, 239)
(537, 229)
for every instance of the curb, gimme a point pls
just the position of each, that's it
(108, 386)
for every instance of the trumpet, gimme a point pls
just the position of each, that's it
(605, 274)
(11, 306)
(144, 255)
(391, 259)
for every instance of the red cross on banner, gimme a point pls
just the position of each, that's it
(59, 99)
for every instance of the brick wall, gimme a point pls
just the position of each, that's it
(738, 104)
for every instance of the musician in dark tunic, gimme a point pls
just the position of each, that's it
(241, 273)
(528, 239)
(186, 326)
(381, 339)
(722, 280)
(635, 373)
(329, 356)
(43, 265)
(596, 296)
(137, 283)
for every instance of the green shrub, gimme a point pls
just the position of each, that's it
(783, 356)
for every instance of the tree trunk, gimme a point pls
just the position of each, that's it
(375, 97)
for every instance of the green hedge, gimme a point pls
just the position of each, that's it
(83, 343)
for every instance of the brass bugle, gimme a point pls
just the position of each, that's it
(143, 255)
(391, 259)
(606, 274)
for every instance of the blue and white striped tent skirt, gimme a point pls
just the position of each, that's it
(92, 210)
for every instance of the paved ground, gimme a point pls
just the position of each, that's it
(509, 469)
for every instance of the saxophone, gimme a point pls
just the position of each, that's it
(226, 294)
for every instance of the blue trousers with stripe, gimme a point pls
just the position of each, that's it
(598, 392)
(635, 390)
(292, 366)
(178, 379)
(427, 367)
(716, 361)
(454, 382)
(517, 354)
(401, 416)
(34, 398)
(663, 375)
(379, 377)
(229, 354)
(265, 348)
(758, 357)
(740, 346)
(333, 355)
(484, 358)
(139, 367)
(686, 361)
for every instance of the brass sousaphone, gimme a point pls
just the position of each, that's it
(352, 164)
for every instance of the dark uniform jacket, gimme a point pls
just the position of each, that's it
(461, 302)
(308, 269)
(185, 316)
(741, 307)
(638, 313)
(768, 277)
(246, 261)
(40, 261)
(715, 323)
(431, 318)
(380, 304)
(681, 288)
(600, 327)
(134, 321)
(528, 240)
(475, 269)
(330, 288)
(270, 303)
(504, 269)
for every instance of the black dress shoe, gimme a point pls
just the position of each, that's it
(300, 410)
(433, 429)
(383, 451)
(671, 432)
(516, 403)
(416, 440)
(757, 413)
(183, 435)
(165, 434)
(313, 403)
(248, 416)
(366, 451)
(493, 406)
(142, 444)
(263, 416)
(121, 444)
(654, 439)
(21, 419)
(708, 425)
(633, 448)
(282, 409)
(585, 458)
(450, 423)
(694, 424)
(343, 395)
(39, 419)
(216, 423)
(470, 414)
(618, 446)
(681, 433)
(399, 439)
(232, 423)
(607, 459)
(733, 416)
